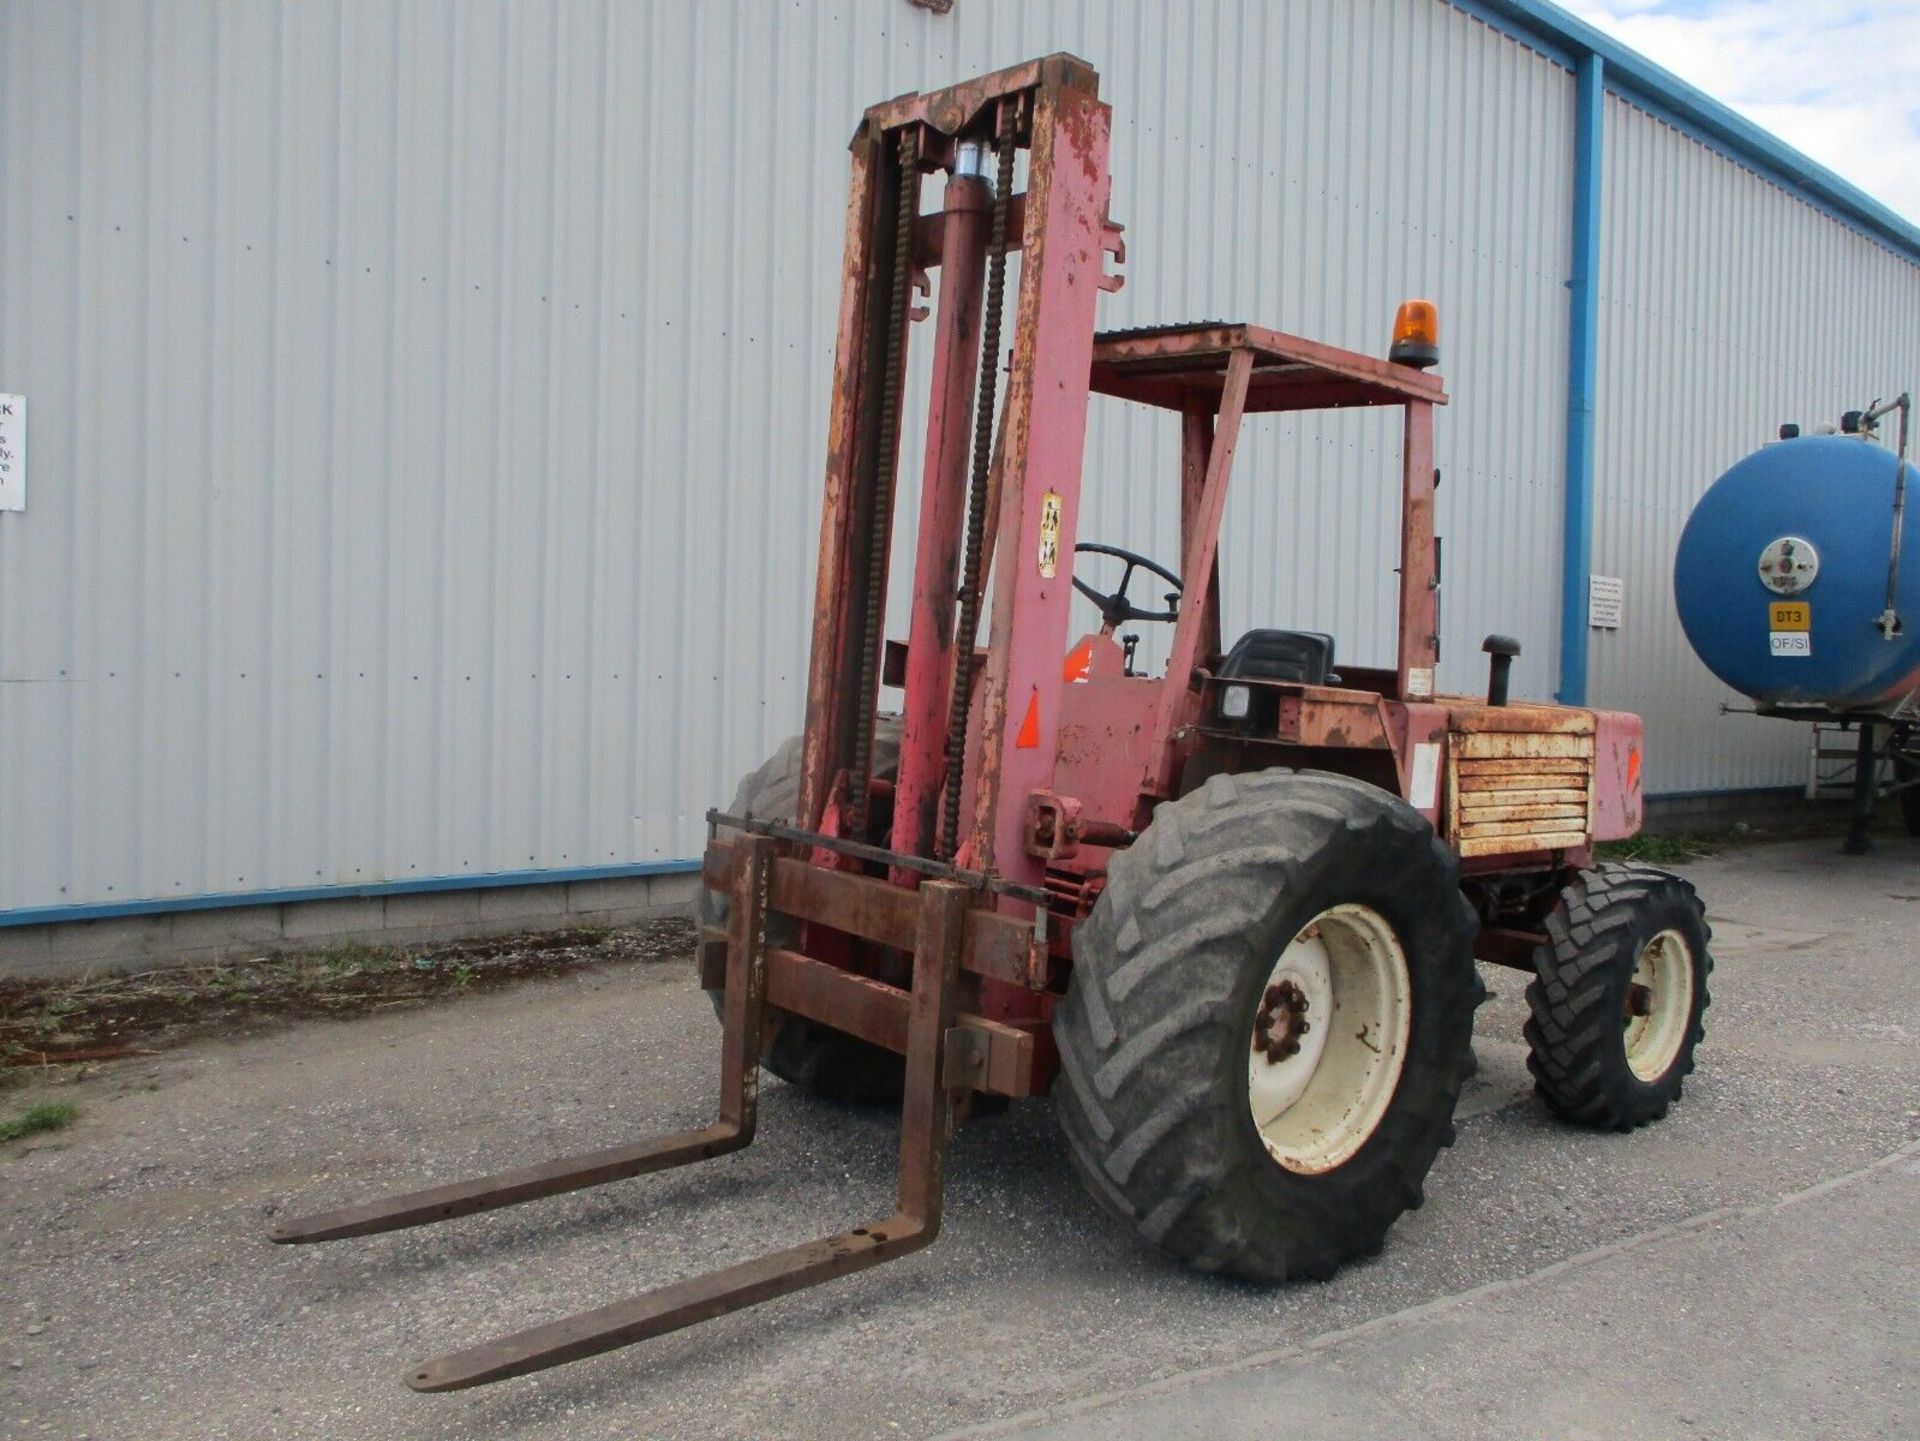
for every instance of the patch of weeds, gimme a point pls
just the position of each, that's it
(41, 1116)
(355, 958)
(56, 1008)
(1661, 850)
(231, 982)
(109, 1016)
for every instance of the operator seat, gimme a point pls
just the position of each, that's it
(1302, 656)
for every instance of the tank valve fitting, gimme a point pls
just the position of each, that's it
(1503, 648)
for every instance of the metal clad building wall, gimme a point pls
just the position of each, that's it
(428, 400)
(1758, 308)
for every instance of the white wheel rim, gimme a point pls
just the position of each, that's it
(1659, 1003)
(1318, 1097)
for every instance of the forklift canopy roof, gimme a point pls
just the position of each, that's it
(1174, 365)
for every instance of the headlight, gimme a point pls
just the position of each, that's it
(1234, 701)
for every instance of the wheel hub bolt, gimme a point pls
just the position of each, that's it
(1281, 1021)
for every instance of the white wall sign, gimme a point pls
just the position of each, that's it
(1606, 594)
(13, 452)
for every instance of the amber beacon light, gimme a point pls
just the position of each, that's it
(1416, 335)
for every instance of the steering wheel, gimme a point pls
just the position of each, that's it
(1115, 608)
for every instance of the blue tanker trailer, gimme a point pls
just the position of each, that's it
(1798, 584)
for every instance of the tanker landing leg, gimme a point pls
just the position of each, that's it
(1866, 791)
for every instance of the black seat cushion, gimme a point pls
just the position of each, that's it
(1303, 656)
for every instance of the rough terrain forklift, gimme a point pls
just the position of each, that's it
(1227, 914)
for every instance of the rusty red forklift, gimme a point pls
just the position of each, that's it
(1226, 914)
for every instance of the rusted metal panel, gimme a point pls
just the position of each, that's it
(878, 1013)
(1489, 745)
(837, 566)
(872, 1010)
(1336, 719)
(1520, 718)
(1519, 845)
(1106, 729)
(1419, 649)
(1572, 798)
(1175, 702)
(1618, 782)
(1196, 445)
(1181, 367)
(956, 107)
(996, 945)
(1044, 436)
(1494, 818)
(1520, 790)
(1518, 773)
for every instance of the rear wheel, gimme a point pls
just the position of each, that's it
(1617, 997)
(1268, 1023)
(817, 1058)
(1906, 770)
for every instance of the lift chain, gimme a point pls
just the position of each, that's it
(879, 528)
(972, 578)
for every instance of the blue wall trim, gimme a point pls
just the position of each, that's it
(109, 910)
(1559, 36)
(1583, 339)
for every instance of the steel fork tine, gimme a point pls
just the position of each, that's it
(926, 1116)
(743, 1018)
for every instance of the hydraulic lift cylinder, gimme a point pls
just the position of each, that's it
(943, 499)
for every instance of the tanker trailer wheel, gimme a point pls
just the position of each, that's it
(817, 1058)
(1906, 770)
(1268, 1023)
(1617, 997)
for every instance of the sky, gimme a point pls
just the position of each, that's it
(1836, 79)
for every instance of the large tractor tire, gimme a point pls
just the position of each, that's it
(817, 1058)
(1617, 997)
(1268, 1024)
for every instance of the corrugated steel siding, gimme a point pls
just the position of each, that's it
(1727, 306)
(428, 400)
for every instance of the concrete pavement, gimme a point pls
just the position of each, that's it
(1555, 1279)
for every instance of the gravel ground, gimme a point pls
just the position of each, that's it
(138, 1295)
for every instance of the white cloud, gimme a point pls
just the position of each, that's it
(1836, 79)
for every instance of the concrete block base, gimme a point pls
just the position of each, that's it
(201, 937)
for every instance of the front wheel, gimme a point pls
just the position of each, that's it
(1617, 997)
(804, 1053)
(1268, 1023)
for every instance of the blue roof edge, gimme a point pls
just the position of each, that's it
(1564, 37)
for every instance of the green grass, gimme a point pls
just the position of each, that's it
(1661, 850)
(41, 1116)
(355, 958)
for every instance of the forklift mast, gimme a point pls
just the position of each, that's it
(1009, 515)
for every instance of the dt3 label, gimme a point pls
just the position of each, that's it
(1790, 628)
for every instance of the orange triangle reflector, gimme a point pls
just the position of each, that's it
(1029, 736)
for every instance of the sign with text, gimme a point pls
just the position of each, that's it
(13, 452)
(1606, 595)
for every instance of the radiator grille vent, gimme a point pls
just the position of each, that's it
(1520, 792)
